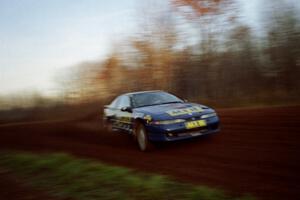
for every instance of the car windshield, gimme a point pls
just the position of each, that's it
(153, 98)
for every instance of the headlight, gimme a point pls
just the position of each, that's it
(208, 115)
(165, 122)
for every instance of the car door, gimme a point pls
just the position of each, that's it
(124, 114)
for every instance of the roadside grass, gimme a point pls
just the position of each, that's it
(67, 177)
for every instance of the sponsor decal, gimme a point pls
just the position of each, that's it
(184, 111)
(126, 120)
(148, 118)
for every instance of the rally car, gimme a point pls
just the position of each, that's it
(158, 116)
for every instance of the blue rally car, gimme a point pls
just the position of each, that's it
(158, 116)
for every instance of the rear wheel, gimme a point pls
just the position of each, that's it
(142, 138)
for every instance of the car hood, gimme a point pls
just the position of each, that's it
(174, 111)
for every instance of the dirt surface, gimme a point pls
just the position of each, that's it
(257, 151)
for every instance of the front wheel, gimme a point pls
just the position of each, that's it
(142, 139)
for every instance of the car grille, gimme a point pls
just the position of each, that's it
(193, 118)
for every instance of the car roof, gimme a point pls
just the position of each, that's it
(141, 92)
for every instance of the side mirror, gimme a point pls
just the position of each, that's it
(126, 109)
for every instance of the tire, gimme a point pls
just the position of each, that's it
(142, 138)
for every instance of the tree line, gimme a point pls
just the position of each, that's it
(202, 51)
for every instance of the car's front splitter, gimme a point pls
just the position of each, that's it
(164, 138)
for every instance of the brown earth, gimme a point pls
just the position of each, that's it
(257, 150)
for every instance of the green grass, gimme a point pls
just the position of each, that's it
(65, 176)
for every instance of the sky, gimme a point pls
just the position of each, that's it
(39, 38)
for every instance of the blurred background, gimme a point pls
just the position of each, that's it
(75, 55)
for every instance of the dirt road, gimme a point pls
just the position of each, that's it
(257, 151)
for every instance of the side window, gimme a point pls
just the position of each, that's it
(115, 103)
(124, 102)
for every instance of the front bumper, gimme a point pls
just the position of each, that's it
(175, 132)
